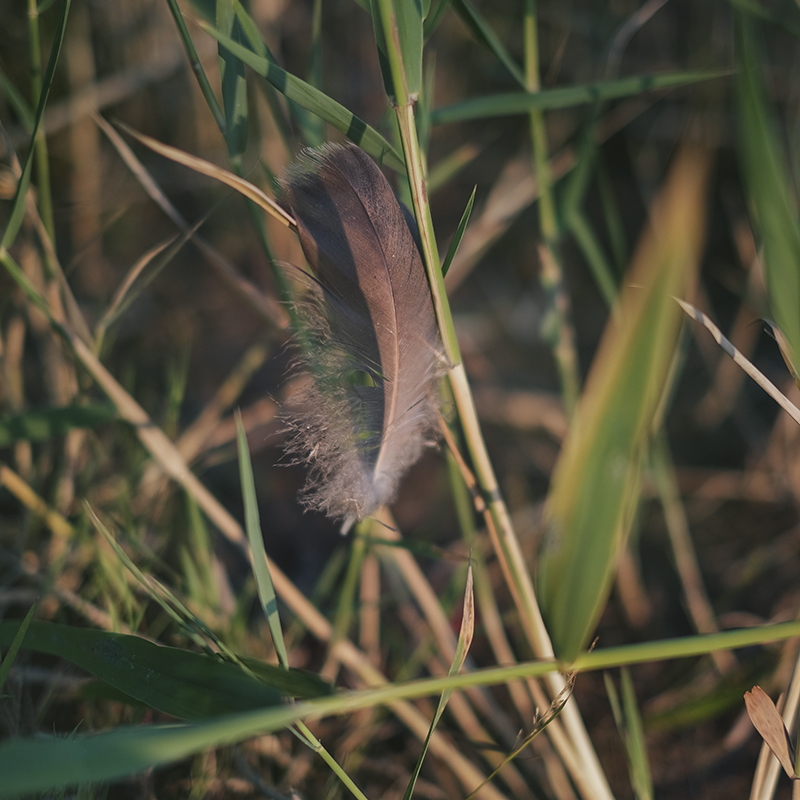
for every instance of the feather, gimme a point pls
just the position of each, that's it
(371, 346)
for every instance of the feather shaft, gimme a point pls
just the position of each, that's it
(374, 352)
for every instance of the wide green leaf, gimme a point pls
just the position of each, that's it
(596, 483)
(42, 424)
(507, 104)
(174, 681)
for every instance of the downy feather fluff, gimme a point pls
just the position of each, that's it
(372, 347)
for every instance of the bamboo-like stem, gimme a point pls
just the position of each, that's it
(552, 278)
(40, 142)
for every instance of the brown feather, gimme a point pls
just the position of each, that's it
(375, 351)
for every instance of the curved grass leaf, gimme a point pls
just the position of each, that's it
(596, 483)
(40, 425)
(314, 100)
(503, 105)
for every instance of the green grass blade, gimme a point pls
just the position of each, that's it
(405, 20)
(16, 643)
(17, 102)
(503, 105)
(197, 66)
(232, 78)
(595, 486)
(266, 589)
(18, 204)
(462, 648)
(462, 226)
(315, 101)
(484, 34)
(636, 746)
(772, 200)
(174, 681)
(42, 424)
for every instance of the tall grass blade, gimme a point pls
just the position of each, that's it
(18, 204)
(266, 589)
(405, 20)
(772, 199)
(197, 66)
(232, 78)
(596, 483)
(508, 104)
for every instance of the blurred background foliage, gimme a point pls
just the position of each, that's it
(191, 329)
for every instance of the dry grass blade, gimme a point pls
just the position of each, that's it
(250, 191)
(767, 721)
(762, 380)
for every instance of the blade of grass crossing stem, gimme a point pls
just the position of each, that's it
(483, 33)
(407, 18)
(312, 99)
(197, 66)
(511, 103)
(232, 80)
(125, 751)
(266, 590)
(462, 648)
(595, 486)
(462, 226)
(772, 200)
(18, 204)
(16, 643)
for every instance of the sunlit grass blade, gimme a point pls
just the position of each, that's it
(462, 226)
(38, 425)
(315, 101)
(266, 589)
(18, 203)
(502, 105)
(595, 486)
(465, 635)
(174, 681)
(484, 34)
(772, 199)
(14, 646)
(405, 21)
(232, 79)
